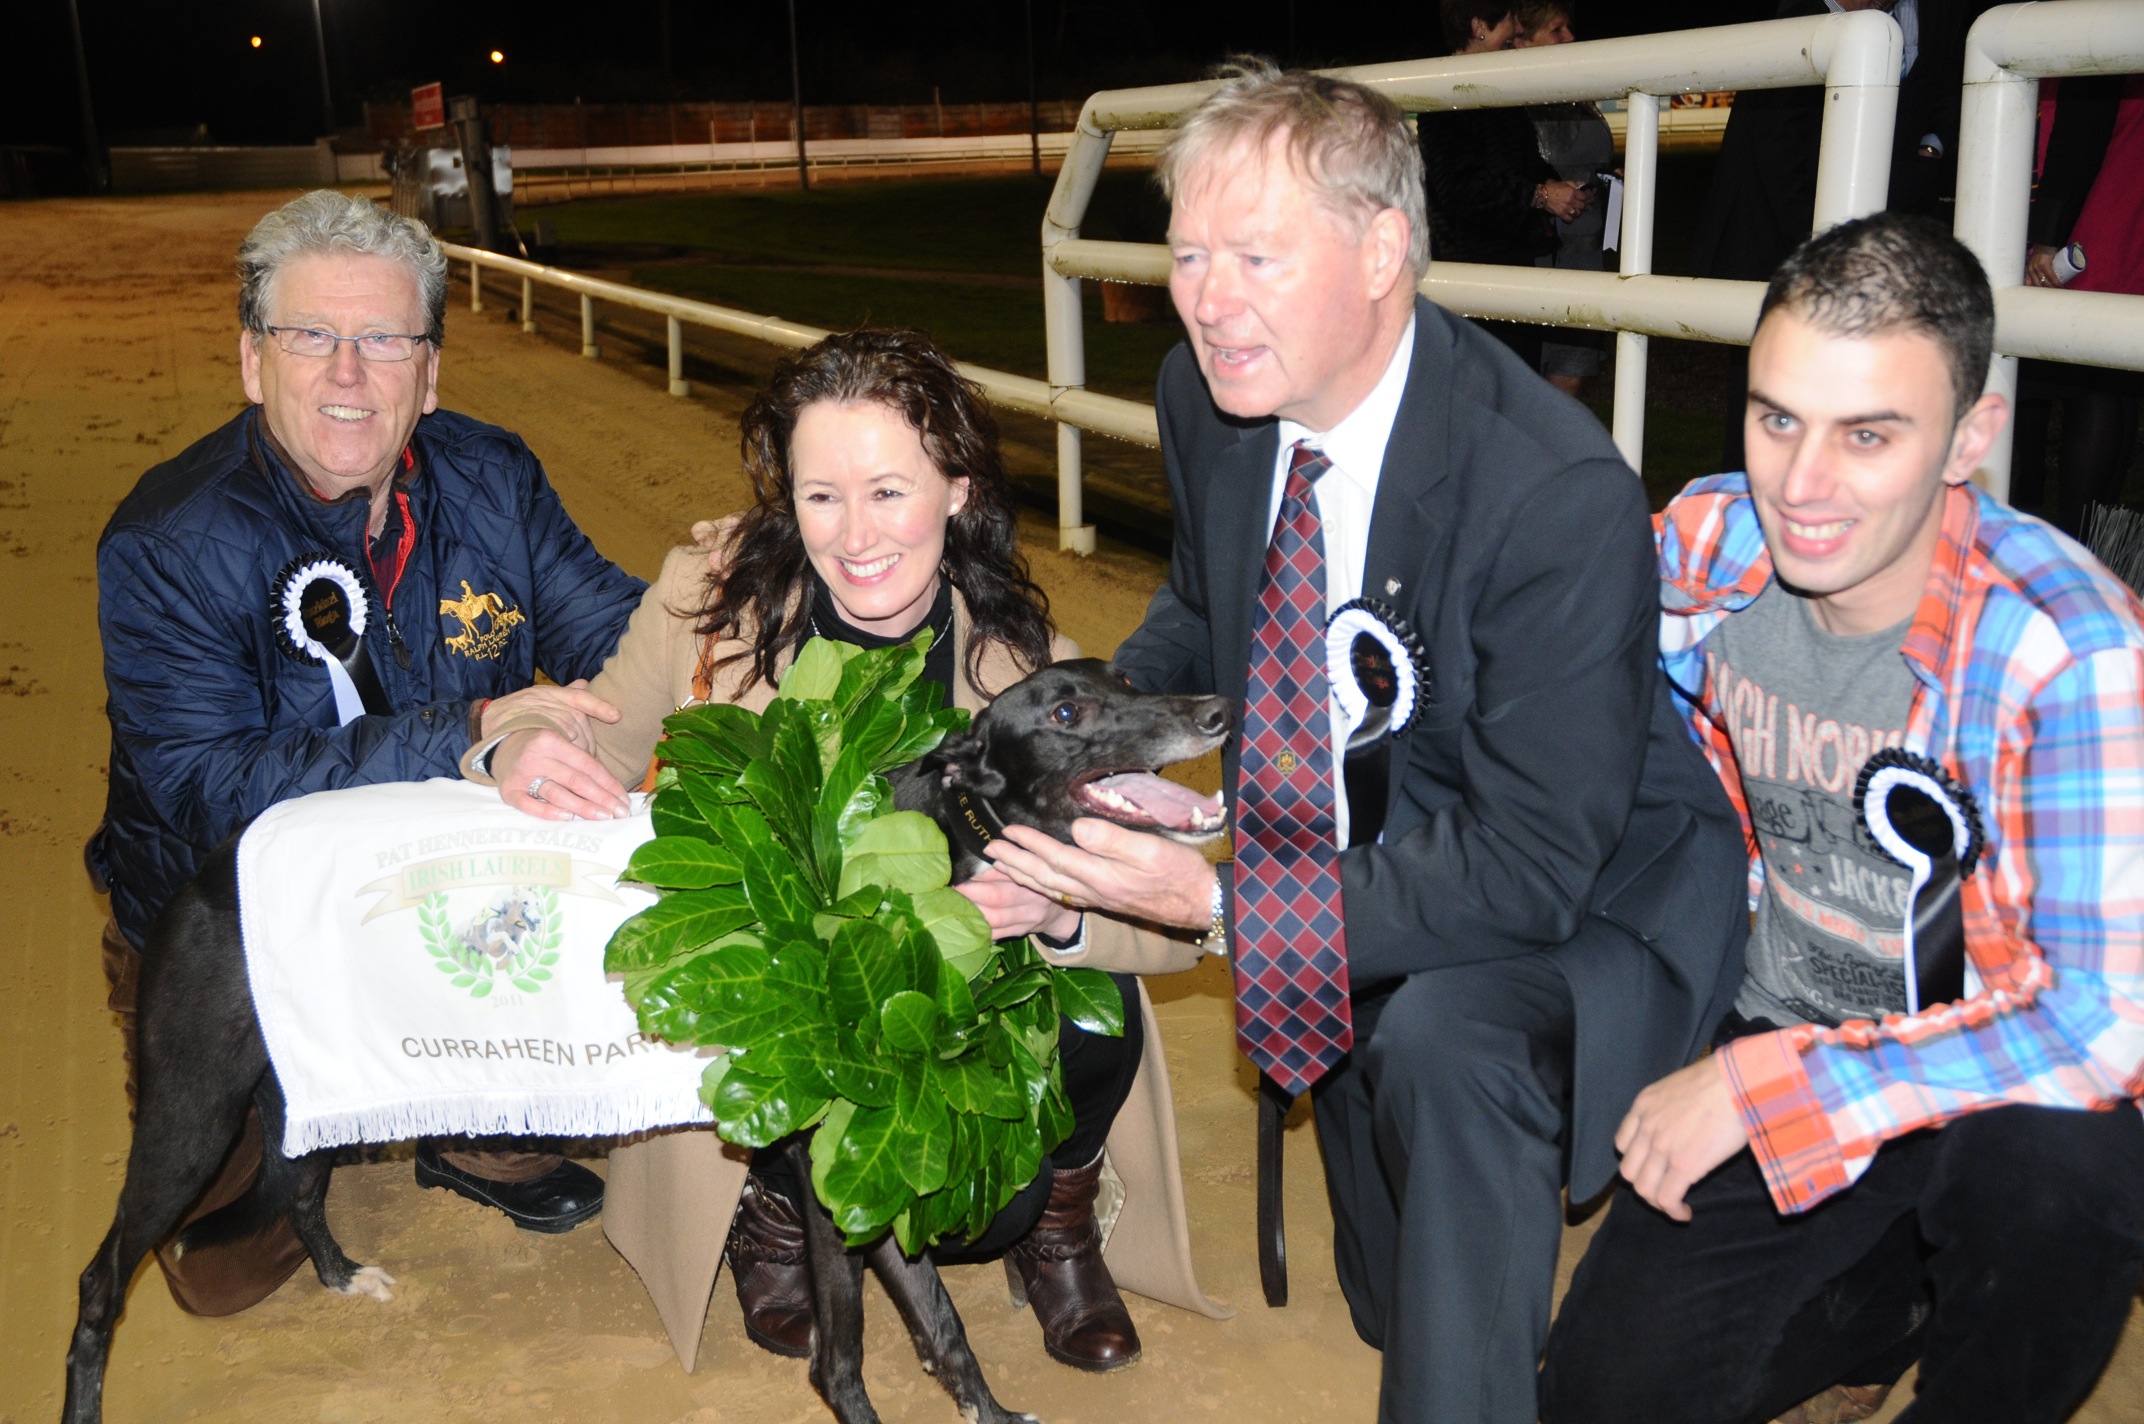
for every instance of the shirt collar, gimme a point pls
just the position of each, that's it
(1356, 446)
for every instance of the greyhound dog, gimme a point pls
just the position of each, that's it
(1070, 740)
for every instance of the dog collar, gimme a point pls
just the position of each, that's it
(968, 827)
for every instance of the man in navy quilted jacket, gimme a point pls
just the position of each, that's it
(326, 592)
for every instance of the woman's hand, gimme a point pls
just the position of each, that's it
(2040, 267)
(543, 774)
(1563, 200)
(1112, 868)
(569, 708)
(1015, 910)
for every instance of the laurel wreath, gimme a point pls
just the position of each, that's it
(526, 970)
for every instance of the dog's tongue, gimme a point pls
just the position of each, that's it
(1174, 807)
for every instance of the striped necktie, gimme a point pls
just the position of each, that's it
(1292, 1013)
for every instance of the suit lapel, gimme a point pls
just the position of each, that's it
(1405, 519)
(1237, 501)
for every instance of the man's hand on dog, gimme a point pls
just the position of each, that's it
(1014, 910)
(1124, 872)
(1677, 1131)
(575, 786)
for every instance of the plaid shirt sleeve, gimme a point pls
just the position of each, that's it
(2056, 929)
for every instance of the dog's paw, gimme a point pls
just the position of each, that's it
(370, 1280)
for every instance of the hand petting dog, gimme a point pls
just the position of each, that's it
(1113, 868)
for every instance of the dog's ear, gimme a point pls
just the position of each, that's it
(963, 762)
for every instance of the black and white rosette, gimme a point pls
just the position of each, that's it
(1379, 674)
(1927, 822)
(319, 610)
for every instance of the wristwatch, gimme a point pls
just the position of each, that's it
(1215, 940)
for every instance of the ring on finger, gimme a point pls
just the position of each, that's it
(535, 791)
(1065, 900)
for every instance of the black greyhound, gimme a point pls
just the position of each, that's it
(1071, 740)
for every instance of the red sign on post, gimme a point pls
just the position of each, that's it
(428, 107)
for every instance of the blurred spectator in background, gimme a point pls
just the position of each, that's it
(1575, 141)
(1762, 203)
(1492, 197)
(2090, 202)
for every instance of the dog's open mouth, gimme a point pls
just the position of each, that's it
(1148, 802)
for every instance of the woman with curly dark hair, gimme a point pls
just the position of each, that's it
(880, 505)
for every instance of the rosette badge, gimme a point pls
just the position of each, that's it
(1930, 824)
(1379, 673)
(320, 612)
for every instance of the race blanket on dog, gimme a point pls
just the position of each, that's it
(428, 961)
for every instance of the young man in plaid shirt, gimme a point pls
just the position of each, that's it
(1845, 1187)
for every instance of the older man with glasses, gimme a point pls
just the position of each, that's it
(328, 592)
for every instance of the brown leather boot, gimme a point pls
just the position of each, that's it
(766, 1256)
(1057, 1268)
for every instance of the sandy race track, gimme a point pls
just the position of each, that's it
(117, 340)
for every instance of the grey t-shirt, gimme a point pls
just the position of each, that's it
(1805, 709)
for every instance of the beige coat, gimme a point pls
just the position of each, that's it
(670, 1197)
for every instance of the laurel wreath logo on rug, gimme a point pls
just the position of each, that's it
(513, 940)
(809, 928)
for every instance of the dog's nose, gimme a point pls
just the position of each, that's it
(1218, 715)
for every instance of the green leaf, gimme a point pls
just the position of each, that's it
(759, 1109)
(1013, 989)
(862, 1186)
(956, 1005)
(883, 672)
(864, 969)
(957, 928)
(733, 998)
(724, 728)
(909, 1024)
(774, 880)
(677, 921)
(675, 814)
(711, 798)
(903, 850)
(684, 862)
(817, 671)
(1053, 1117)
(924, 1153)
(1090, 999)
(853, 1071)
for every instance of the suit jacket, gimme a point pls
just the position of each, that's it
(1546, 777)
(669, 1196)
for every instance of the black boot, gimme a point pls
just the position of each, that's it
(1058, 1269)
(766, 1256)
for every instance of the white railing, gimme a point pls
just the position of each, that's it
(1854, 55)
(2008, 52)
(1021, 393)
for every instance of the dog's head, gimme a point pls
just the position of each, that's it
(1076, 739)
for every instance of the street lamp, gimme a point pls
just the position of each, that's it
(796, 97)
(320, 50)
(92, 151)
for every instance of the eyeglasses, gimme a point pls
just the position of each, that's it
(305, 341)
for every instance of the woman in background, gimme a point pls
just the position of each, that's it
(1576, 142)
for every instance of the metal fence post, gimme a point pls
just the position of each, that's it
(528, 305)
(1062, 320)
(1998, 118)
(588, 328)
(679, 386)
(476, 285)
(1859, 53)
(1641, 172)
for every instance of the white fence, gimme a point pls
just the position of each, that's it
(2009, 51)
(1854, 55)
(1021, 393)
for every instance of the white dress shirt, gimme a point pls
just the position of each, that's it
(1346, 495)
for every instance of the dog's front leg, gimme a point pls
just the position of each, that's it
(941, 1340)
(837, 1306)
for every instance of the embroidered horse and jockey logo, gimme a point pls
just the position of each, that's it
(513, 940)
(487, 623)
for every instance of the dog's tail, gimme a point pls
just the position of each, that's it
(264, 1203)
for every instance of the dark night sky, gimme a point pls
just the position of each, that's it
(165, 65)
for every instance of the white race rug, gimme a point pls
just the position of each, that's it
(427, 961)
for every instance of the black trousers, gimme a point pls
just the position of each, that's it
(1444, 1139)
(2001, 1252)
(1098, 1072)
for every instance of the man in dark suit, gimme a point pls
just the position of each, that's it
(1477, 958)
